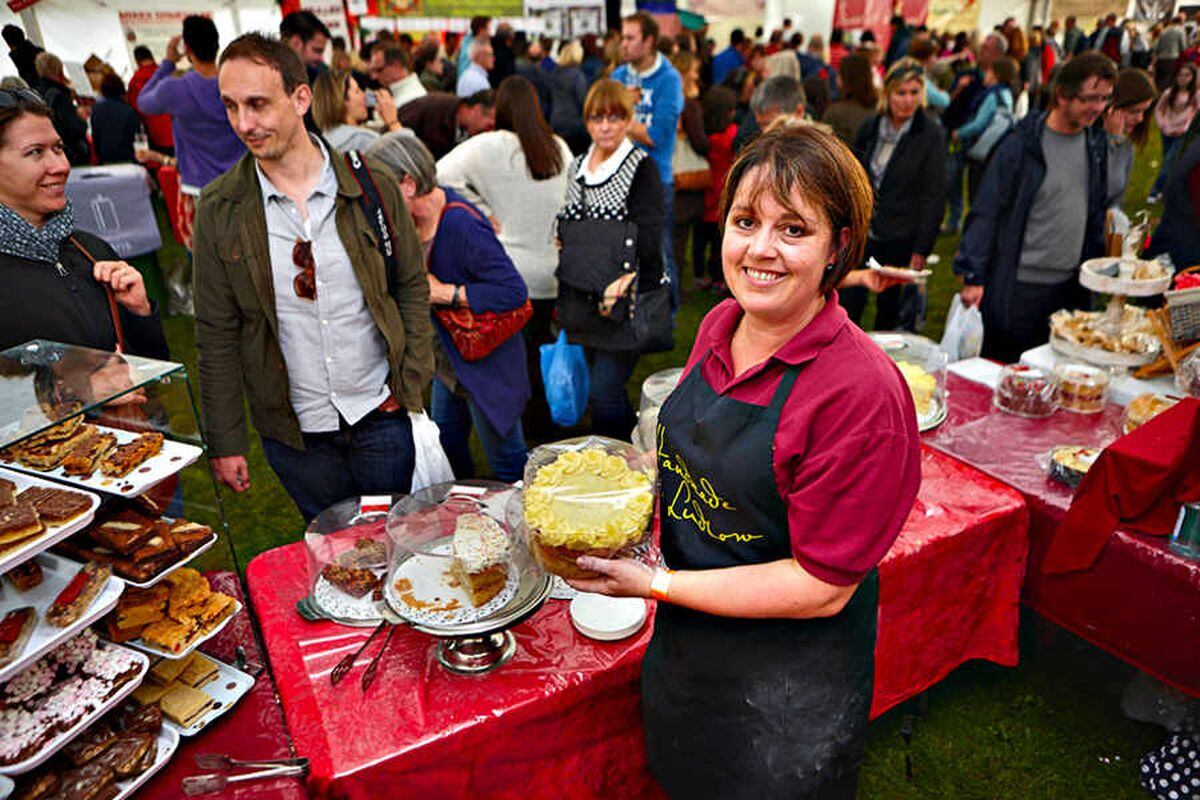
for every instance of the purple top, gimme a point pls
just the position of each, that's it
(205, 144)
(466, 251)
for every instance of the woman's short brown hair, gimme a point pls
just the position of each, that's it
(813, 161)
(607, 97)
(329, 99)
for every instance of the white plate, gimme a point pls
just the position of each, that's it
(167, 570)
(58, 742)
(1123, 284)
(903, 273)
(57, 573)
(607, 618)
(173, 457)
(229, 687)
(138, 644)
(52, 534)
(168, 743)
(429, 574)
(1105, 358)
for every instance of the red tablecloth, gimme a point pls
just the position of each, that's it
(562, 718)
(1140, 601)
(253, 729)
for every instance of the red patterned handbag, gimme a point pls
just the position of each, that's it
(477, 335)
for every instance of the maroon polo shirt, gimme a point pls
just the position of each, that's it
(846, 453)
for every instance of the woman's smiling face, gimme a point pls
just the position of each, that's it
(774, 255)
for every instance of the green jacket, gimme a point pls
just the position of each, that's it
(237, 335)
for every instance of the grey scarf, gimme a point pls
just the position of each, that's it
(19, 238)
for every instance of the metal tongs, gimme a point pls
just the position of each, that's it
(223, 764)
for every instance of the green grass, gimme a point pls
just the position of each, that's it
(1049, 728)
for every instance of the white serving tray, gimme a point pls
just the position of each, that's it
(230, 686)
(138, 644)
(57, 573)
(168, 743)
(173, 457)
(53, 533)
(58, 742)
(1146, 287)
(168, 570)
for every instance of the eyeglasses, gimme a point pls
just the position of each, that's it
(305, 282)
(1095, 99)
(11, 98)
(614, 119)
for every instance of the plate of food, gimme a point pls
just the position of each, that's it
(61, 694)
(1069, 463)
(906, 274)
(111, 759)
(96, 457)
(52, 599)
(1086, 335)
(141, 549)
(349, 581)
(193, 691)
(1132, 277)
(36, 513)
(171, 619)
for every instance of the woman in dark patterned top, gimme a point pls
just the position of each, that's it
(615, 180)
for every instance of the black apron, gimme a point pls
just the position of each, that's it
(744, 708)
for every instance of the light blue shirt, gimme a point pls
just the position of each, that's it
(335, 355)
(473, 79)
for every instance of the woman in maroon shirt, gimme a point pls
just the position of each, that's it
(789, 460)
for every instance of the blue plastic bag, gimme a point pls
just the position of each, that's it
(565, 376)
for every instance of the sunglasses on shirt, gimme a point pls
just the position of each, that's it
(305, 282)
(11, 98)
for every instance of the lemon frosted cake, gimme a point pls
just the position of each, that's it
(585, 502)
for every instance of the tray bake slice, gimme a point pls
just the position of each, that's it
(85, 457)
(121, 461)
(56, 506)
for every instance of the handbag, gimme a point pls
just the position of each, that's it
(689, 169)
(1001, 123)
(476, 335)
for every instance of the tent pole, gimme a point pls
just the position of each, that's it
(32, 28)
(237, 17)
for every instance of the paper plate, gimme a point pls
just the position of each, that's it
(605, 618)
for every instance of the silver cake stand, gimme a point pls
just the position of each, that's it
(483, 644)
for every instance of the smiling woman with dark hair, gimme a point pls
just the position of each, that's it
(788, 459)
(59, 283)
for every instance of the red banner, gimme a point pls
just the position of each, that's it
(874, 15)
(17, 6)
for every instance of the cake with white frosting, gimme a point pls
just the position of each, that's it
(480, 552)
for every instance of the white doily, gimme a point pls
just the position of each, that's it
(431, 583)
(336, 603)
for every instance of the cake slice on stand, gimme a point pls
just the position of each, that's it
(480, 555)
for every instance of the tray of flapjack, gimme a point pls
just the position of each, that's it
(37, 513)
(111, 460)
(171, 619)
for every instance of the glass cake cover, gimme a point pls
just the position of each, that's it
(456, 556)
(923, 364)
(348, 554)
(587, 496)
(655, 390)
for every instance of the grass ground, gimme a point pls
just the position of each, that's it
(1049, 728)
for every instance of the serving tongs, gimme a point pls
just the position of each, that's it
(219, 762)
(219, 781)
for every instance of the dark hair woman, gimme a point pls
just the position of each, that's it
(859, 98)
(1128, 126)
(788, 458)
(114, 123)
(60, 284)
(517, 176)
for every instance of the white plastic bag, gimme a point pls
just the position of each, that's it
(432, 465)
(963, 337)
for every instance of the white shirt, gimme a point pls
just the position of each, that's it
(606, 168)
(489, 170)
(473, 79)
(406, 90)
(336, 357)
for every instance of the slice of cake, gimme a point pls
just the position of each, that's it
(480, 553)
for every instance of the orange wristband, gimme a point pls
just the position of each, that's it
(660, 584)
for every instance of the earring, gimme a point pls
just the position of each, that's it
(829, 267)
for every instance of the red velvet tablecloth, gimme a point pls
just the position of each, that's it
(253, 729)
(1139, 601)
(562, 719)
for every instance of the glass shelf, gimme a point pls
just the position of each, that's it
(43, 383)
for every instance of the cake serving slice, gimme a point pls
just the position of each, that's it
(85, 457)
(480, 555)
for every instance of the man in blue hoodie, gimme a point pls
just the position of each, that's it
(1039, 213)
(657, 103)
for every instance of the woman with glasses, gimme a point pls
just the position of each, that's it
(59, 283)
(613, 181)
(468, 269)
(340, 108)
(904, 152)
